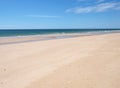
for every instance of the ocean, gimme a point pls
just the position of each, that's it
(29, 32)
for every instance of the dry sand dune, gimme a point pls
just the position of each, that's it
(80, 62)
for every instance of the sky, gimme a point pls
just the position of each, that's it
(45, 14)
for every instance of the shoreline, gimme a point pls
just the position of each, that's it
(33, 38)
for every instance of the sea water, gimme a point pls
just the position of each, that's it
(29, 32)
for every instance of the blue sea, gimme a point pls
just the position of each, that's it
(29, 32)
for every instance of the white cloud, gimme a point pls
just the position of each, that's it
(105, 6)
(102, 7)
(42, 16)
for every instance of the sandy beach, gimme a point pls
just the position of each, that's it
(78, 62)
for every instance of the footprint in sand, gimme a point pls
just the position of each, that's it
(4, 69)
(1, 83)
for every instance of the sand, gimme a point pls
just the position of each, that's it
(79, 62)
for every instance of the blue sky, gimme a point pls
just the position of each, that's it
(59, 14)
